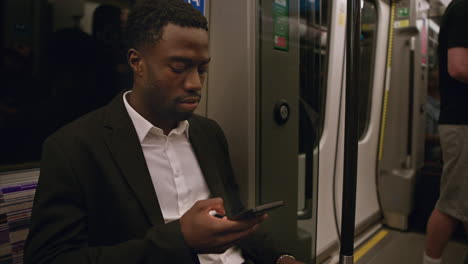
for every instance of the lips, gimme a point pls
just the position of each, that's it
(189, 103)
(190, 100)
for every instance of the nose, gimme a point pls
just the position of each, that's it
(194, 81)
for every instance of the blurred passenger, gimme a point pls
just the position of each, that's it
(114, 75)
(134, 181)
(452, 206)
(432, 149)
(17, 89)
(107, 25)
(74, 58)
(124, 16)
(88, 70)
(18, 95)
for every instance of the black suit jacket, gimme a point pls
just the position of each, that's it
(95, 202)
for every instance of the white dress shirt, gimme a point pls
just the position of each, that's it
(176, 175)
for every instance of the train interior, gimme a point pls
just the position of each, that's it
(276, 85)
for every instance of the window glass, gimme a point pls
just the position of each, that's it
(314, 21)
(368, 40)
(432, 152)
(60, 60)
(314, 54)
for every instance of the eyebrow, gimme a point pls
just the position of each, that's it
(187, 60)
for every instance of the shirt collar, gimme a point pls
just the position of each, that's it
(143, 126)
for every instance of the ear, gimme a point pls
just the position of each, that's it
(135, 60)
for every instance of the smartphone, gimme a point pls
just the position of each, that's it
(257, 211)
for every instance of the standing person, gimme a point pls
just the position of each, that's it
(136, 180)
(452, 206)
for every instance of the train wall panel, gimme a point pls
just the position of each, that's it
(326, 232)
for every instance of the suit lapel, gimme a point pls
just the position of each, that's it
(125, 147)
(202, 148)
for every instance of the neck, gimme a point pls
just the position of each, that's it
(154, 119)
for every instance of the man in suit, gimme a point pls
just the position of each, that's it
(135, 181)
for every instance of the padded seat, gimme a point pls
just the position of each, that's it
(16, 200)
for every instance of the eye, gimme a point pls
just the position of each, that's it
(178, 67)
(202, 69)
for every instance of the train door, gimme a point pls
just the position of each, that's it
(254, 92)
(278, 103)
(374, 39)
(327, 226)
(374, 36)
(373, 46)
(314, 59)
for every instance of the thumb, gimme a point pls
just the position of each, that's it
(216, 204)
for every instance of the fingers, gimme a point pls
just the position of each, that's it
(204, 232)
(229, 239)
(216, 204)
(230, 226)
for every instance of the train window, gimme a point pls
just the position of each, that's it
(313, 69)
(368, 41)
(60, 59)
(433, 43)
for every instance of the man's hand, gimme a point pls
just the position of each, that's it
(288, 260)
(208, 234)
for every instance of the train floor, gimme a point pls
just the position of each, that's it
(390, 247)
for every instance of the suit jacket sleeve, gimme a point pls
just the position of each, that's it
(260, 247)
(58, 231)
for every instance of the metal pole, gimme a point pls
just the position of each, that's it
(353, 31)
(409, 140)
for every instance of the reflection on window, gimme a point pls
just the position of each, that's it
(368, 40)
(433, 43)
(60, 59)
(313, 70)
(432, 152)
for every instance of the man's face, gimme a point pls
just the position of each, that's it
(174, 72)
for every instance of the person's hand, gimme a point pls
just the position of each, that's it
(289, 260)
(208, 234)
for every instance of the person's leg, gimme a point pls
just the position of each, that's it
(453, 198)
(465, 225)
(439, 230)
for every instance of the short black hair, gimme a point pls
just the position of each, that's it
(146, 21)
